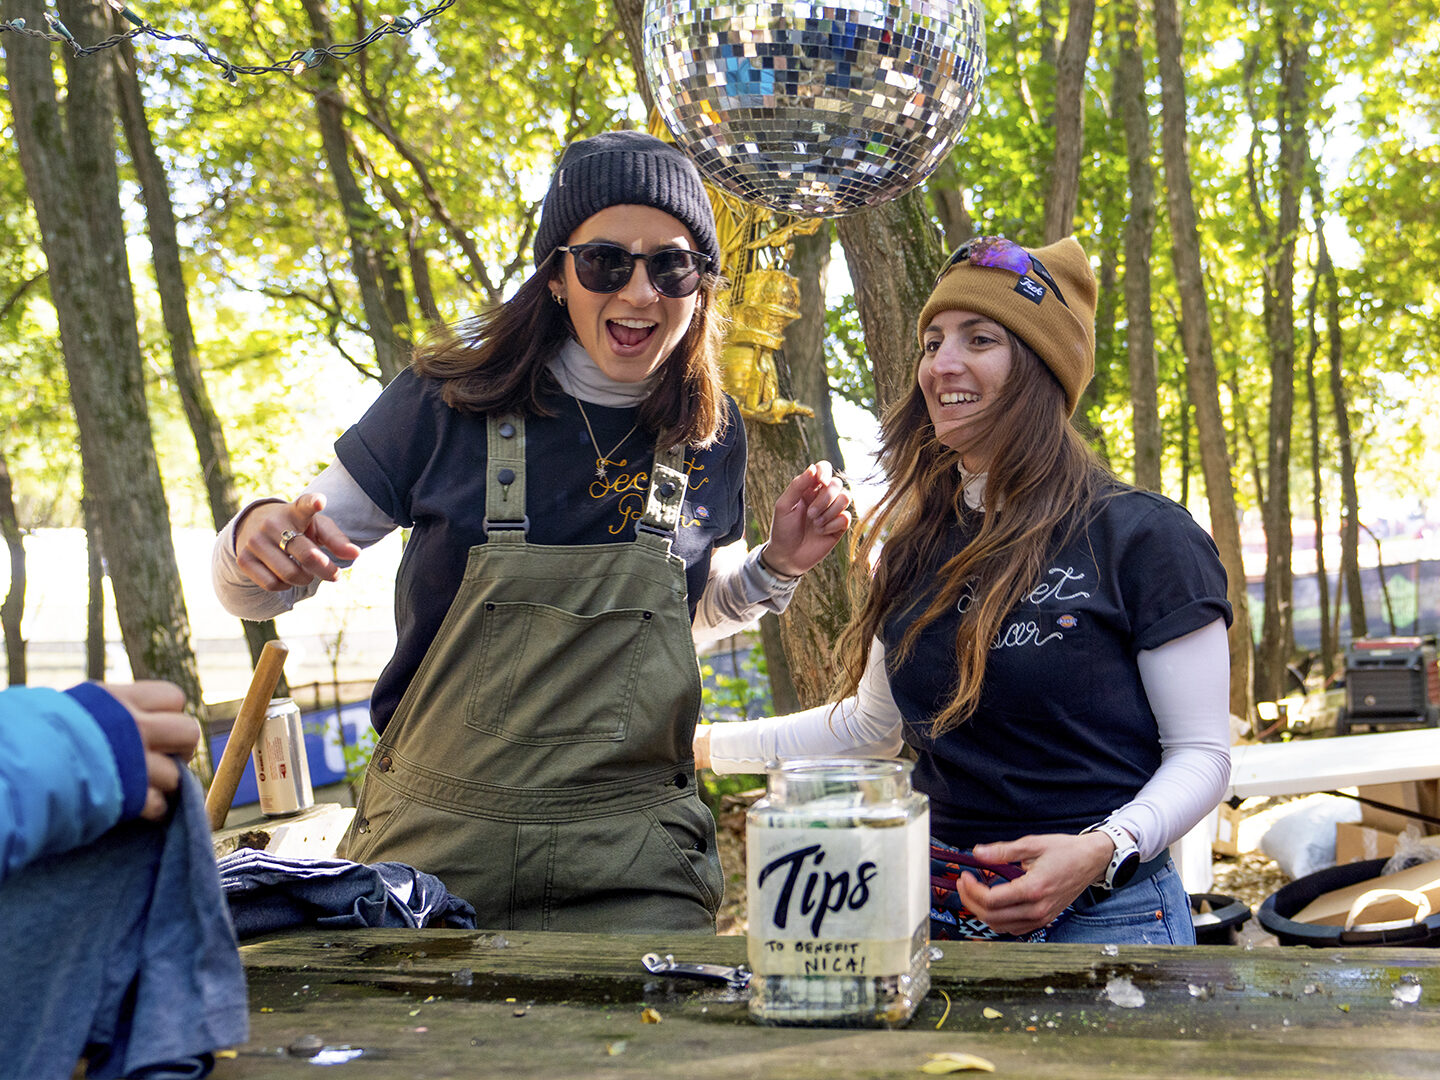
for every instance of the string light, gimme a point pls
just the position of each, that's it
(299, 61)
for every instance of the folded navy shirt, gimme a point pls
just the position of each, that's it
(122, 951)
(269, 893)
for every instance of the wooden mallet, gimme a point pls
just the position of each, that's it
(244, 732)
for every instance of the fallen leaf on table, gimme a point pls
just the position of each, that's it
(954, 1062)
(649, 1016)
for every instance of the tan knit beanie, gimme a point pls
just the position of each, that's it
(1061, 334)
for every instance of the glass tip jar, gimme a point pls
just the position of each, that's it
(837, 877)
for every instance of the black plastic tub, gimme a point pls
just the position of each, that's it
(1276, 911)
(1221, 924)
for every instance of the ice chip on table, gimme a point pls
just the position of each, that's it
(1124, 993)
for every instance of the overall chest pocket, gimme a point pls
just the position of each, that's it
(545, 676)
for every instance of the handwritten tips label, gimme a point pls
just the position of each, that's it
(836, 901)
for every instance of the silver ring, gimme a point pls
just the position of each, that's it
(285, 538)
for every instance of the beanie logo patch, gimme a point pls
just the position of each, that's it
(1030, 289)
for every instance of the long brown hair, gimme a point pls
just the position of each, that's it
(1042, 483)
(496, 362)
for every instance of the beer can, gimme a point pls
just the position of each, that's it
(282, 772)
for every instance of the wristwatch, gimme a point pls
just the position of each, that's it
(1123, 863)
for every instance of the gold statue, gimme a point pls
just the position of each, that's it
(764, 298)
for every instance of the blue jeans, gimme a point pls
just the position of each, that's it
(1155, 911)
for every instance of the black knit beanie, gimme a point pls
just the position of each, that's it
(624, 168)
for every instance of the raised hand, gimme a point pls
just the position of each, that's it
(810, 517)
(282, 545)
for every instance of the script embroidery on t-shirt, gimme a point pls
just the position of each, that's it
(1027, 631)
(633, 489)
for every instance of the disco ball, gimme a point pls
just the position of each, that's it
(812, 109)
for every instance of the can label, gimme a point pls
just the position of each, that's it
(282, 770)
(836, 901)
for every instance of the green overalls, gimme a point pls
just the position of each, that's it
(540, 761)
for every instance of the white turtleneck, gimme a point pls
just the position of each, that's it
(581, 378)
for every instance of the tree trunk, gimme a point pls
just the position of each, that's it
(1183, 394)
(205, 424)
(630, 16)
(1139, 241)
(94, 591)
(805, 347)
(805, 672)
(892, 251)
(1093, 397)
(1277, 629)
(1069, 121)
(69, 161)
(1246, 439)
(373, 262)
(956, 224)
(822, 604)
(783, 698)
(1199, 350)
(1317, 510)
(12, 611)
(821, 607)
(1350, 493)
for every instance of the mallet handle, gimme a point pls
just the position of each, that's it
(244, 732)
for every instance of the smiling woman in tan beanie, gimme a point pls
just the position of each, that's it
(1048, 641)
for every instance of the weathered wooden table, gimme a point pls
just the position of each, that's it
(453, 1003)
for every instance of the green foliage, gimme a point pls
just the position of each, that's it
(850, 374)
(738, 696)
(357, 758)
(461, 121)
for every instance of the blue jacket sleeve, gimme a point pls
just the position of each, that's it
(71, 766)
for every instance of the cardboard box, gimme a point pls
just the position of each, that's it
(1354, 842)
(1417, 795)
(1227, 830)
(1332, 908)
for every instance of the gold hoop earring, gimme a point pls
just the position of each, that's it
(558, 298)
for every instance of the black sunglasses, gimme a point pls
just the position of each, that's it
(1003, 254)
(606, 268)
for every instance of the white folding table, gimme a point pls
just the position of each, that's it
(1306, 765)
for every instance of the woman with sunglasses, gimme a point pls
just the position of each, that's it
(567, 464)
(1049, 642)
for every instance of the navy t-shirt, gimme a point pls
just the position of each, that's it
(1063, 734)
(423, 463)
